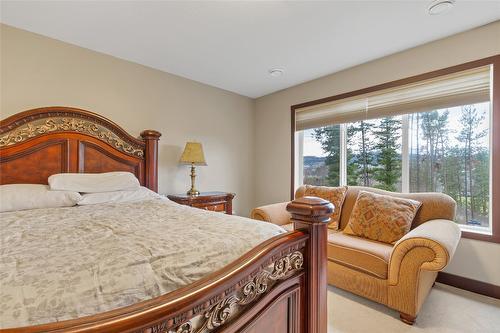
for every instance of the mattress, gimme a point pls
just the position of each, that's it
(66, 263)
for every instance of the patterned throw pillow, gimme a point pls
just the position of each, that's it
(381, 217)
(335, 195)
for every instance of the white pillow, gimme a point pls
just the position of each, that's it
(143, 193)
(30, 196)
(94, 182)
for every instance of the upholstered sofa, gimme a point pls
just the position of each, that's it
(398, 275)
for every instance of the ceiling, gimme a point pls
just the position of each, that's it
(232, 45)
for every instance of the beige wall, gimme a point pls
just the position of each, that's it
(272, 166)
(38, 71)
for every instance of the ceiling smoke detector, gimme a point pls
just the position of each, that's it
(437, 7)
(275, 72)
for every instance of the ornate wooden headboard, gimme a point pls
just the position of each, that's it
(37, 143)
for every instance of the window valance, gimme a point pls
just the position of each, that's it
(465, 87)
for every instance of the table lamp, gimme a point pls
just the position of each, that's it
(193, 154)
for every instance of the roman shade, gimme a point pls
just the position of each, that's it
(465, 87)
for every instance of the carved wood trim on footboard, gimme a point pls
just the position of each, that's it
(279, 286)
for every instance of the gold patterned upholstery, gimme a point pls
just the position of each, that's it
(398, 275)
(434, 205)
(360, 254)
(380, 217)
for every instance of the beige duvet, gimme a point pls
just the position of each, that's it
(66, 263)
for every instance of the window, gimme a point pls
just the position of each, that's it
(450, 153)
(426, 136)
(373, 150)
(321, 164)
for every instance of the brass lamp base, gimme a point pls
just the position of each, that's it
(193, 192)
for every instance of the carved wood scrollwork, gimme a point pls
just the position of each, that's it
(40, 126)
(222, 311)
(185, 328)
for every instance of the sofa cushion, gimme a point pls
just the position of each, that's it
(335, 195)
(434, 205)
(360, 254)
(382, 218)
(287, 227)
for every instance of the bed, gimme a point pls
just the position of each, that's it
(274, 285)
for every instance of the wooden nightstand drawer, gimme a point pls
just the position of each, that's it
(215, 207)
(213, 201)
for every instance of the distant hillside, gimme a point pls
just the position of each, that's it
(310, 161)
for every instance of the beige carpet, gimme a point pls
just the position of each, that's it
(446, 310)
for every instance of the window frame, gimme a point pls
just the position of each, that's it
(494, 132)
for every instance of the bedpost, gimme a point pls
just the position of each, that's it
(311, 215)
(151, 138)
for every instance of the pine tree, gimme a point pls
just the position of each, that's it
(352, 165)
(415, 157)
(452, 172)
(388, 170)
(430, 135)
(442, 148)
(329, 138)
(360, 164)
(481, 180)
(470, 120)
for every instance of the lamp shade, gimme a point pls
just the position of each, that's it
(193, 154)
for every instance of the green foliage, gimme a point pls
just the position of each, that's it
(360, 154)
(481, 181)
(469, 135)
(451, 172)
(446, 156)
(329, 138)
(387, 173)
(434, 132)
(352, 167)
(460, 170)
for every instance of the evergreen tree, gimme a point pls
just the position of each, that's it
(430, 135)
(352, 165)
(329, 138)
(481, 180)
(470, 120)
(447, 155)
(360, 164)
(388, 170)
(453, 171)
(415, 158)
(442, 142)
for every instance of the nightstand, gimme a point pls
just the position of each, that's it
(214, 201)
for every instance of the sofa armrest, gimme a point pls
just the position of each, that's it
(429, 246)
(275, 213)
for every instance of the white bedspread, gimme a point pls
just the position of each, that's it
(65, 263)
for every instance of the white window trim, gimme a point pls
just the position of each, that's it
(343, 155)
(405, 154)
(299, 163)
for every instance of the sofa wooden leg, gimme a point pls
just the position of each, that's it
(407, 319)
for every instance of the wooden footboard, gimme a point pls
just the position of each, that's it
(279, 286)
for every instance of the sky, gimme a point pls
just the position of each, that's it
(313, 148)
